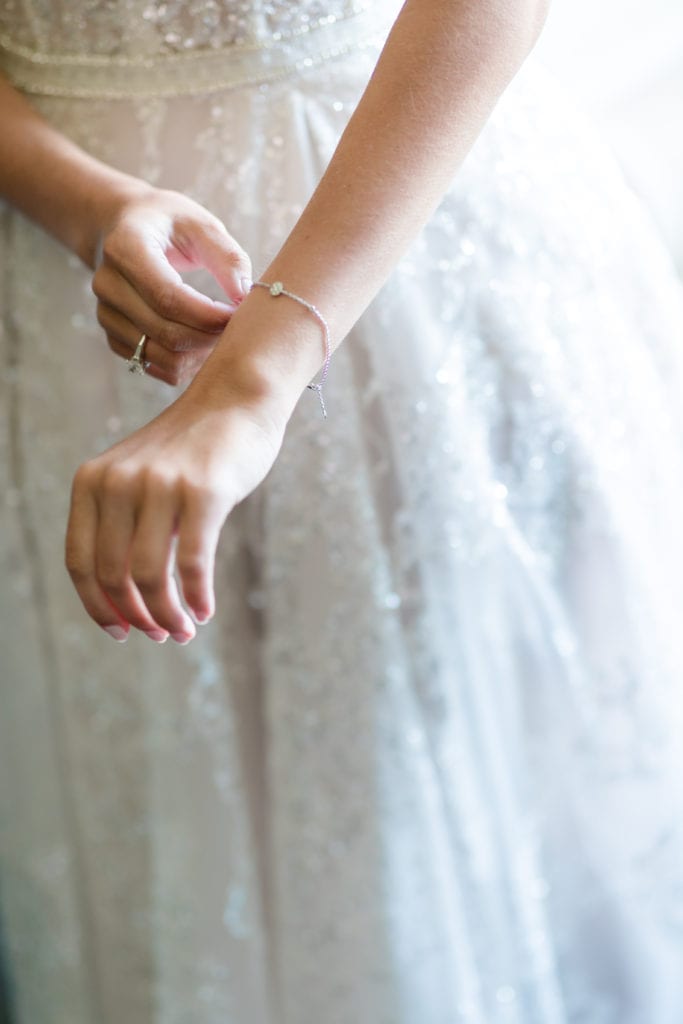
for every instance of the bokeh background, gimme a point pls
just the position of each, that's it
(622, 61)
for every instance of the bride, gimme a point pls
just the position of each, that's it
(413, 751)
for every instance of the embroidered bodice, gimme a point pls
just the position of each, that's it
(137, 47)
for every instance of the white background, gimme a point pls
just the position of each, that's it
(623, 62)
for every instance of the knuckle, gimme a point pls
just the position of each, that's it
(172, 339)
(205, 495)
(165, 301)
(110, 248)
(210, 498)
(84, 478)
(74, 565)
(213, 228)
(81, 477)
(237, 258)
(164, 334)
(192, 567)
(111, 578)
(117, 482)
(158, 484)
(96, 284)
(148, 580)
(235, 255)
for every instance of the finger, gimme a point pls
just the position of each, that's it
(123, 337)
(151, 561)
(183, 368)
(116, 526)
(144, 264)
(200, 525)
(117, 294)
(80, 557)
(126, 351)
(217, 251)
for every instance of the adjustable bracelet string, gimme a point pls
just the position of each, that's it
(277, 288)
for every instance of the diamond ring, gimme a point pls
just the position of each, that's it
(137, 362)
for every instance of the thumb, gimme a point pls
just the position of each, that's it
(225, 260)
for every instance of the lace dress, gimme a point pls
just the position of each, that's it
(425, 765)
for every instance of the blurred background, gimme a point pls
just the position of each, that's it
(622, 61)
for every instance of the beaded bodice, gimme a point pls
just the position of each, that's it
(127, 47)
(153, 27)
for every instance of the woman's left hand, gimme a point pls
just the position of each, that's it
(147, 240)
(157, 501)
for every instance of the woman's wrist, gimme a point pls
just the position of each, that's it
(270, 351)
(110, 193)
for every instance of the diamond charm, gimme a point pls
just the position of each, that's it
(276, 288)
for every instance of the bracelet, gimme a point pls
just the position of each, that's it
(277, 288)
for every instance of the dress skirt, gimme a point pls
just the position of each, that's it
(425, 763)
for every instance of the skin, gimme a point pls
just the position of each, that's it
(442, 70)
(139, 237)
(149, 241)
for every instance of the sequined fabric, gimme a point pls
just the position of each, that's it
(250, 45)
(425, 764)
(134, 27)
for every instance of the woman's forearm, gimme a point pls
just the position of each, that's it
(444, 66)
(175, 480)
(53, 181)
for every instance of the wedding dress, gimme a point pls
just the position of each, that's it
(424, 767)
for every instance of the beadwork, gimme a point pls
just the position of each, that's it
(199, 69)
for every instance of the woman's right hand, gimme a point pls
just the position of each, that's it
(156, 502)
(152, 236)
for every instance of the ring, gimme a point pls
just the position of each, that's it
(137, 362)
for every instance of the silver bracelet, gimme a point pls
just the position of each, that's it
(277, 288)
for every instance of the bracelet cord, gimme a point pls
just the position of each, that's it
(277, 288)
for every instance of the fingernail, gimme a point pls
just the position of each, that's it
(117, 633)
(160, 636)
(181, 638)
(199, 617)
(224, 308)
(246, 283)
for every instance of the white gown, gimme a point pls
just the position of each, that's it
(425, 765)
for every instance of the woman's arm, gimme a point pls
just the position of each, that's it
(54, 182)
(442, 70)
(444, 66)
(146, 236)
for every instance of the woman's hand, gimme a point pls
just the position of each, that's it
(157, 501)
(150, 238)
(145, 237)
